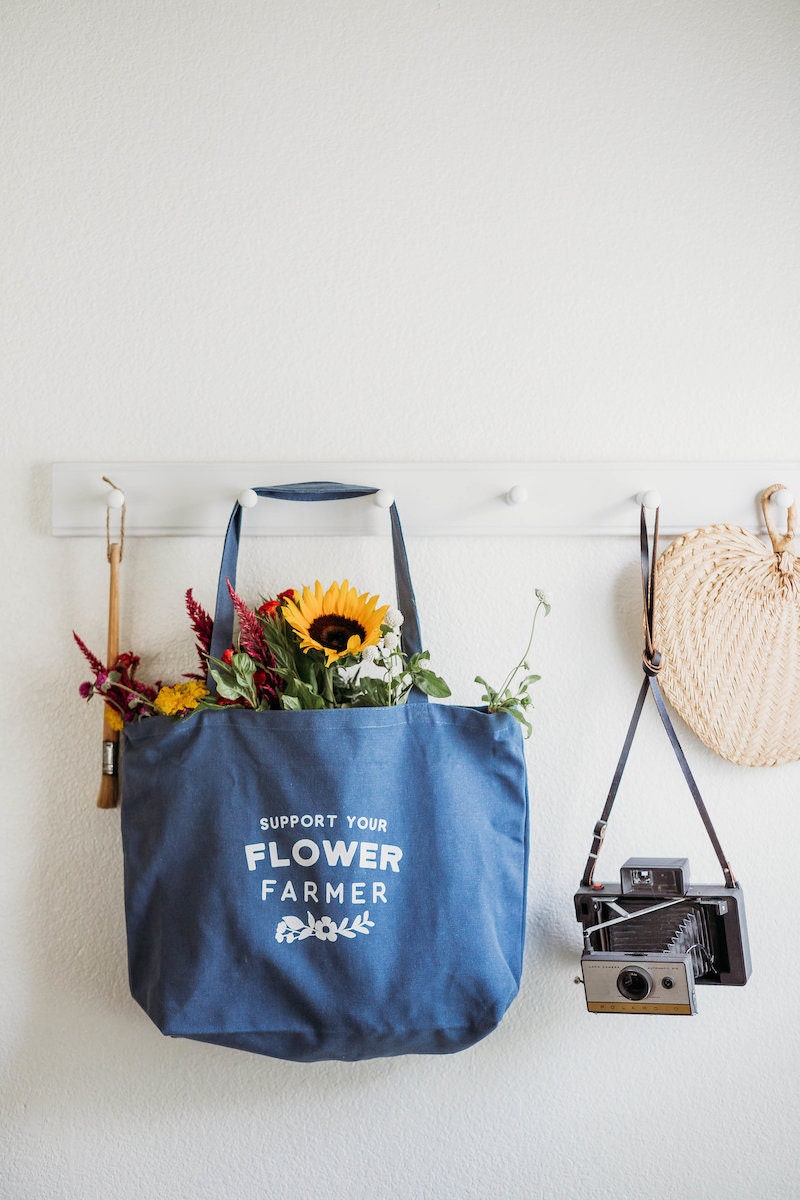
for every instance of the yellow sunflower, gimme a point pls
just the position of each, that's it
(338, 621)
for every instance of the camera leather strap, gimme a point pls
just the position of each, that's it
(651, 663)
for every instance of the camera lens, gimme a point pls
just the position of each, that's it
(634, 983)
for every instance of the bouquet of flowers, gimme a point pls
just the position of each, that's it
(306, 648)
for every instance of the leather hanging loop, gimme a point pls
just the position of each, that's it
(121, 542)
(652, 662)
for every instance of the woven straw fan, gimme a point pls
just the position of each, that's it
(728, 625)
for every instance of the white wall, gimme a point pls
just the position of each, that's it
(350, 230)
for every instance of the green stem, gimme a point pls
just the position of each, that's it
(512, 673)
(328, 688)
(123, 688)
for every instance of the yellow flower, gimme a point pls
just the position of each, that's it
(337, 622)
(183, 697)
(113, 719)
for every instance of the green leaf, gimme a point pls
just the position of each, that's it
(233, 683)
(371, 693)
(226, 691)
(230, 693)
(221, 667)
(244, 666)
(430, 684)
(307, 670)
(306, 696)
(517, 715)
(490, 696)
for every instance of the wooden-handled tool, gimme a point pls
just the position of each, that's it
(108, 796)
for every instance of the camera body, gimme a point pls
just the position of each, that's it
(650, 940)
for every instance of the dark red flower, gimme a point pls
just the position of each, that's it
(127, 663)
(92, 659)
(125, 694)
(270, 607)
(251, 637)
(203, 626)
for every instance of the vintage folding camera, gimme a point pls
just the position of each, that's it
(648, 942)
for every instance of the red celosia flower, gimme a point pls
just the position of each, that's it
(253, 642)
(203, 626)
(92, 659)
(251, 636)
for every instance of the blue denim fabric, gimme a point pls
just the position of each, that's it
(436, 918)
(338, 884)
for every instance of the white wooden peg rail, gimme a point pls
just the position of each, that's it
(434, 499)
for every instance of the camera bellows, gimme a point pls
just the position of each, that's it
(683, 929)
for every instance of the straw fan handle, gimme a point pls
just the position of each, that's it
(780, 541)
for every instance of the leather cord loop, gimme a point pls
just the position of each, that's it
(651, 657)
(108, 523)
(652, 663)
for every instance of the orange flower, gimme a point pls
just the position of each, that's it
(113, 719)
(183, 697)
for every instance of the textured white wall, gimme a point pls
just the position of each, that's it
(369, 230)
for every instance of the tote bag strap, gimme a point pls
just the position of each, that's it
(222, 636)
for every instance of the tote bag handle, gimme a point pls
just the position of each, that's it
(222, 636)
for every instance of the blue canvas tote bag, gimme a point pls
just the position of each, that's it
(334, 884)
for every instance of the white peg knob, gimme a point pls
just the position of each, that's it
(517, 494)
(649, 499)
(784, 498)
(115, 498)
(383, 499)
(248, 498)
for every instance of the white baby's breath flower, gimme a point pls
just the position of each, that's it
(370, 654)
(390, 641)
(394, 618)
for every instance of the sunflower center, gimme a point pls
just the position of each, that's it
(334, 631)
